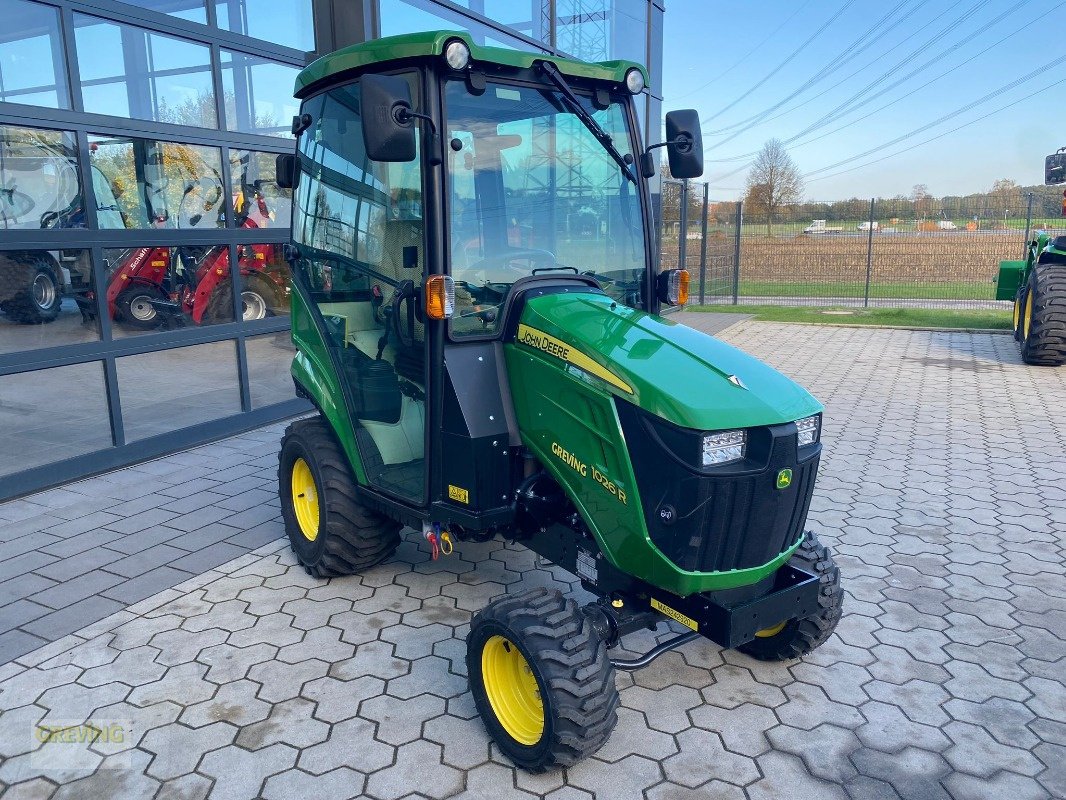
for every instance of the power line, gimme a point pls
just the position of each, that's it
(940, 135)
(847, 4)
(928, 83)
(747, 55)
(858, 46)
(844, 107)
(899, 99)
(962, 110)
(864, 67)
(836, 113)
(832, 116)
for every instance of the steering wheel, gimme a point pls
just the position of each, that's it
(405, 291)
(14, 204)
(537, 259)
(200, 196)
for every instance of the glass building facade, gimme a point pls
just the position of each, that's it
(143, 292)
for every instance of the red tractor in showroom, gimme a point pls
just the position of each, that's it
(150, 287)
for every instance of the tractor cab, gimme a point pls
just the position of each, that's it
(476, 314)
(437, 184)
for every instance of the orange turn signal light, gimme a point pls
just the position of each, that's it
(682, 287)
(440, 297)
(672, 287)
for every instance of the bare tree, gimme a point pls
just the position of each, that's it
(922, 200)
(1006, 193)
(774, 180)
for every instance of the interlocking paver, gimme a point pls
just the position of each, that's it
(240, 774)
(418, 765)
(939, 491)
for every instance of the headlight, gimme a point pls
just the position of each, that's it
(457, 54)
(635, 80)
(809, 429)
(723, 447)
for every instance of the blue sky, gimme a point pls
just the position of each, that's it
(726, 60)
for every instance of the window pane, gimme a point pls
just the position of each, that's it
(408, 16)
(32, 69)
(258, 202)
(284, 22)
(52, 414)
(159, 288)
(46, 286)
(130, 72)
(597, 30)
(39, 182)
(142, 183)
(265, 286)
(549, 214)
(192, 10)
(258, 94)
(531, 17)
(171, 389)
(269, 359)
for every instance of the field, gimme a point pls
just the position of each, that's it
(942, 265)
(889, 317)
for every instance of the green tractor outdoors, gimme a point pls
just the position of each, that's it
(1037, 285)
(475, 310)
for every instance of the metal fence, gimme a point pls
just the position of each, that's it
(895, 253)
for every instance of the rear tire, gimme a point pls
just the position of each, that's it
(541, 679)
(40, 300)
(335, 534)
(797, 637)
(1044, 317)
(257, 299)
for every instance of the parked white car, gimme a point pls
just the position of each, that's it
(865, 226)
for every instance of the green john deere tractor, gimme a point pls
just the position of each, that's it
(475, 310)
(1037, 285)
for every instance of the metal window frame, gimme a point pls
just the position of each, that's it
(360, 15)
(108, 349)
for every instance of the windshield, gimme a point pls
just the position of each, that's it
(532, 191)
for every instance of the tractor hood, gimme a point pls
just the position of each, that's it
(670, 370)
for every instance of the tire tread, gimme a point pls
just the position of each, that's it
(356, 537)
(574, 664)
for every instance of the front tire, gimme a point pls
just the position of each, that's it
(1043, 317)
(329, 529)
(135, 309)
(797, 637)
(541, 679)
(1019, 307)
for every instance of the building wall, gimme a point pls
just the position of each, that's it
(137, 144)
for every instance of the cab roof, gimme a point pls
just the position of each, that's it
(431, 43)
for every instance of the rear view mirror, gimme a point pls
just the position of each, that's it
(1055, 169)
(285, 175)
(387, 119)
(684, 143)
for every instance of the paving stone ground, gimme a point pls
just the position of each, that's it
(940, 492)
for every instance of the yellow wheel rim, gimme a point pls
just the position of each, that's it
(1027, 320)
(512, 690)
(1017, 313)
(305, 499)
(766, 633)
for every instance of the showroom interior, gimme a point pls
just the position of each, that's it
(137, 148)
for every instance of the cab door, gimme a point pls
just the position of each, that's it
(358, 227)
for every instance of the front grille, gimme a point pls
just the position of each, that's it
(728, 523)
(713, 523)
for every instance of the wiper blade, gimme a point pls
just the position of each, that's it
(574, 105)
